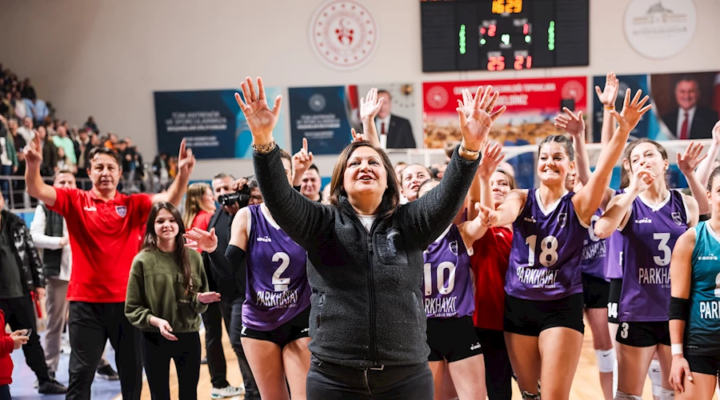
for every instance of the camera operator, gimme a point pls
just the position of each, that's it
(232, 293)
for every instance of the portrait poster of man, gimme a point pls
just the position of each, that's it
(686, 103)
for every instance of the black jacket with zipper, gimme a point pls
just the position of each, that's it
(28, 259)
(366, 303)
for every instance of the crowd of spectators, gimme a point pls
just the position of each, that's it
(23, 115)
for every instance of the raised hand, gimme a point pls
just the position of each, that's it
(641, 180)
(33, 154)
(492, 157)
(688, 161)
(632, 111)
(208, 297)
(356, 137)
(476, 126)
(302, 160)
(716, 134)
(186, 160)
(200, 240)
(258, 115)
(608, 96)
(370, 105)
(488, 217)
(574, 124)
(467, 104)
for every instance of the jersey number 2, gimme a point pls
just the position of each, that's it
(281, 284)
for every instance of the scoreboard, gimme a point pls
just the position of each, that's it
(496, 35)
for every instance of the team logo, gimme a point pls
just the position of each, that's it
(453, 246)
(317, 102)
(343, 34)
(121, 211)
(677, 218)
(436, 97)
(562, 219)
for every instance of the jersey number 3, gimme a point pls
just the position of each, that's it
(548, 255)
(281, 284)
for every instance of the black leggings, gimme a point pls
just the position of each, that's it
(498, 371)
(156, 354)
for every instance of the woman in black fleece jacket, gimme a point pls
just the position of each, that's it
(367, 320)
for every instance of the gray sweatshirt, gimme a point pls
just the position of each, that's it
(366, 303)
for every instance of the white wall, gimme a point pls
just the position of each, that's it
(105, 58)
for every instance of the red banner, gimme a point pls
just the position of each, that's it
(532, 104)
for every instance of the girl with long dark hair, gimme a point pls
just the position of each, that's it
(166, 293)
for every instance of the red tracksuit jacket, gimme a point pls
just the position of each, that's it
(6, 347)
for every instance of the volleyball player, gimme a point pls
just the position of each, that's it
(694, 306)
(544, 303)
(448, 296)
(596, 288)
(275, 333)
(651, 218)
(491, 255)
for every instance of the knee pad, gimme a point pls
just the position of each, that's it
(655, 377)
(528, 396)
(624, 396)
(605, 360)
(667, 394)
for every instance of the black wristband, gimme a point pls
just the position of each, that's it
(679, 308)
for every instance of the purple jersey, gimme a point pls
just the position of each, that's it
(447, 281)
(613, 261)
(277, 288)
(546, 250)
(650, 235)
(594, 251)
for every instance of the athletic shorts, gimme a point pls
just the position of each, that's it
(530, 317)
(296, 328)
(643, 334)
(614, 300)
(709, 365)
(452, 339)
(596, 291)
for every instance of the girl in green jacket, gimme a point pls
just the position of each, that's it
(166, 293)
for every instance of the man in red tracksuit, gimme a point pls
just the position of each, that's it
(8, 343)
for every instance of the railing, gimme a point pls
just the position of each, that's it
(18, 200)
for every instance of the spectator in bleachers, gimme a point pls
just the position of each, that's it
(7, 109)
(8, 156)
(27, 130)
(111, 142)
(160, 168)
(40, 111)
(91, 124)
(21, 274)
(50, 153)
(28, 91)
(62, 140)
(19, 104)
(83, 146)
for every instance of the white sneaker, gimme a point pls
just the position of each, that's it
(229, 391)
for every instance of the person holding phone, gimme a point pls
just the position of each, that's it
(8, 343)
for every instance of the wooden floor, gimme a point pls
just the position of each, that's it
(586, 385)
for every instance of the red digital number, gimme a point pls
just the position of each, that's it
(496, 63)
(526, 29)
(491, 30)
(522, 62)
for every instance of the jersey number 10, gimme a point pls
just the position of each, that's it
(442, 287)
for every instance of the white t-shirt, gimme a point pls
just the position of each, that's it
(4, 159)
(367, 220)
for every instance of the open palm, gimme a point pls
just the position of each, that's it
(370, 105)
(571, 123)
(688, 161)
(476, 126)
(258, 115)
(632, 110)
(608, 95)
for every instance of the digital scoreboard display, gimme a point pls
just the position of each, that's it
(497, 35)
